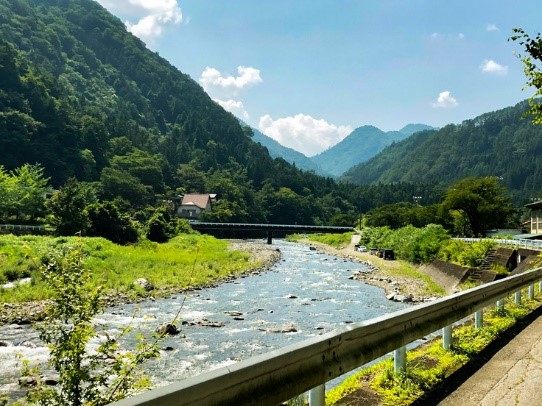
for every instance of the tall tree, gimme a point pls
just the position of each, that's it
(532, 66)
(483, 202)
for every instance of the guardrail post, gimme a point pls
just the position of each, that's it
(500, 305)
(447, 337)
(517, 297)
(531, 292)
(479, 319)
(317, 396)
(540, 286)
(399, 360)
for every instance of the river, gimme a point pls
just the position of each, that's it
(307, 293)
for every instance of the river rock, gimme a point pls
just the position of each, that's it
(28, 381)
(233, 313)
(50, 380)
(168, 329)
(144, 283)
(4, 344)
(208, 323)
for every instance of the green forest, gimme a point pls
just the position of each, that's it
(504, 143)
(95, 130)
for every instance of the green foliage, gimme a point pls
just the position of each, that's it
(429, 364)
(22, 193)
(160, 227)
(532, 67)
(483, 202)
(68, 207)
(338, 241)
(499, 143)
(99, 377)
(167, 266)
(415, 245)
(465, 254)
(107, 221)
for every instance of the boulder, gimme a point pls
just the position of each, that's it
(168, 329)
(144, 283)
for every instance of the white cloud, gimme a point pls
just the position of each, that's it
(445, 100)
(490, 66)
(212, 78)
(461, 35)
(235, 107)
(151, 16)
(303, 133)
(492, 27)
(435, 35)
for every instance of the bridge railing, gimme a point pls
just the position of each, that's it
(275, 377)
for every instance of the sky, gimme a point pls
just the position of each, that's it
(308, 72)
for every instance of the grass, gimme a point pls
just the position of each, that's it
(338, 241)
(185, 261)
(429, 364)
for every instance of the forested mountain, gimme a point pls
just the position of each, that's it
(277, 150)
(84, 98)
(362, 144)
(504, 144)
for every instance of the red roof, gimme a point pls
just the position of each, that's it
(200, 201)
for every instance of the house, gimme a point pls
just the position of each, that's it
(192, 205)
(536, 219)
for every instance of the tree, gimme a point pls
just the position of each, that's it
(96, 377)
(483, 202)
(68, 207)
(532, 66)
(107, 221)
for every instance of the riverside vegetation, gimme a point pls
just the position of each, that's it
(429, 364)
(167, 266)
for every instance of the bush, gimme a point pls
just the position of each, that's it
(107, 221)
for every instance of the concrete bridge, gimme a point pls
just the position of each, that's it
(268, 228)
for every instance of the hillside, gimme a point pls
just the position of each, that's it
(362, 144)
(277, 150)
(501, 143)
(84, 98)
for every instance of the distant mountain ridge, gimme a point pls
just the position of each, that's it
(277, 150)
(362, 144)
(503, 143)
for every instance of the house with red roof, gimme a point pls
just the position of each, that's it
(192, 205)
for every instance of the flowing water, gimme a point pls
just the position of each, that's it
(307, 293)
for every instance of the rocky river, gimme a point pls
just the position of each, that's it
(305, 294)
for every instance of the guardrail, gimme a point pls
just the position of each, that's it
(24, 227)
(523, 243)
(275, 377)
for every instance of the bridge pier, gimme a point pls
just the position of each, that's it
(269, 237)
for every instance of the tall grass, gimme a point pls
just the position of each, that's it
(167, 266)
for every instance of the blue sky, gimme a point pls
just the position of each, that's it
(307, 73)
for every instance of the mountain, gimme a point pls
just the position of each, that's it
(503, 143)
(277, 150)
(362, 144)
(84, 98)
(410, 129)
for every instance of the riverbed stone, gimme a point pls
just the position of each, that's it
(168, 329)
(144, 283)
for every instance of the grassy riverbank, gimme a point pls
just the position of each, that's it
(429, 365)
(185, 261)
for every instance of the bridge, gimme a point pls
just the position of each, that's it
(269, 228)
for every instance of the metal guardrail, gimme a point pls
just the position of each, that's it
(522, 243)
(272, 378)
(23, 227)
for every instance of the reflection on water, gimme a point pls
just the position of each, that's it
(307, 293)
